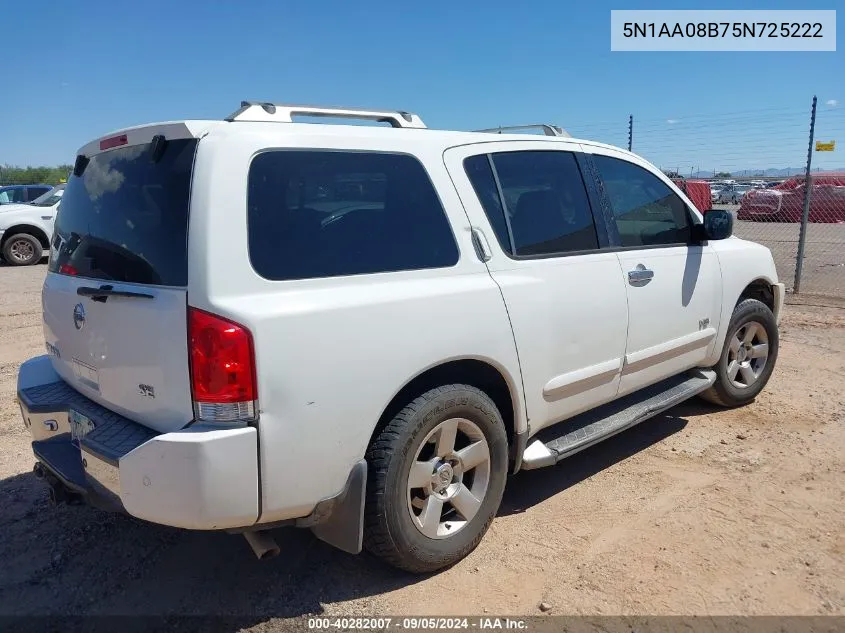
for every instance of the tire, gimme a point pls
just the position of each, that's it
(22, 249)
(395, 525)
(742, 373)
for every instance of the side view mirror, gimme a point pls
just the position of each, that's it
(718, 224)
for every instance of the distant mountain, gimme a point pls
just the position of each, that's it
(769, 173)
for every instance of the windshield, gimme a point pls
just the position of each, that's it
(50, 198)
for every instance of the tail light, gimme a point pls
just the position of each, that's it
(222, 369)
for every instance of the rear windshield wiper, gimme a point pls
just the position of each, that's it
(104, 292)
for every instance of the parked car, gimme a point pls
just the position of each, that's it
(715, 189)
(732, 194)
(785, 202)
(364, 330)
(19, 194)
(26, 229)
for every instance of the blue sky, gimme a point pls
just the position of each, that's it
(85, 68)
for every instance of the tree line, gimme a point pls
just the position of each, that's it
(10, 175)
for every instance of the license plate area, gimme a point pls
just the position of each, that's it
(86, 374)
(80, 426)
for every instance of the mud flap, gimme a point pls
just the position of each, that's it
(339, 521)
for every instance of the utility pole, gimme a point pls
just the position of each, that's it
(630, 131)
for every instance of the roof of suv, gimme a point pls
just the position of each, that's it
(260, 116)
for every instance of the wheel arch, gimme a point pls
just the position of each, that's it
(30, 229)
(482, 373)
(761, 286)
(761, 289)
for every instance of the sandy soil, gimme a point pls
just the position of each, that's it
(699, 511)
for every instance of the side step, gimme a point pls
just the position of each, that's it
(567, 438)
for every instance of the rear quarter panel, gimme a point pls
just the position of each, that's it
(331, 353)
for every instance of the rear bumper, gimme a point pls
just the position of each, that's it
(197, 478)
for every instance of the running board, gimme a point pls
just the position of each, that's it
(567, 438)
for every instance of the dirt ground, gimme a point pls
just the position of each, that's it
(699, 511)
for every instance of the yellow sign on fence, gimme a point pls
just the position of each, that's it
(821, 146)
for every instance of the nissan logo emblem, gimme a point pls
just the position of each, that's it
(78, 316)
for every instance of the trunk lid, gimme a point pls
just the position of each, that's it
(115, 297)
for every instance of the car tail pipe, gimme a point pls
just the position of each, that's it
(57, 491)
(263, 545)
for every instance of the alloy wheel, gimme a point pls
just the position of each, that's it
(449, 478)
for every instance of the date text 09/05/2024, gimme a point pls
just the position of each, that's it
(417, 624)
(722, 29)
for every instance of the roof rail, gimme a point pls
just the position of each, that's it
(548, 130)
(284, 113)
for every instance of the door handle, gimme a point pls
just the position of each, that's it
(479, 242)
(640, 274)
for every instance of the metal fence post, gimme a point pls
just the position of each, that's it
(630, 131)
(805, 216)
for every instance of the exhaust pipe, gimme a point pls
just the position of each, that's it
(264, 545)
(38, 471)
(57, 493)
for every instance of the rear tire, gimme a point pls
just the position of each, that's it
(22, 249)
(437, 475)
(748, 357)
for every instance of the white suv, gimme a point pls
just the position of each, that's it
(362, 330)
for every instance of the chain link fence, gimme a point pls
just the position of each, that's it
(756, 162)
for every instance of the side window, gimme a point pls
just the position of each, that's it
(15, 195)
(333, 213)
(481, 176)
(34, 192)
(647, 212)
(544, 201)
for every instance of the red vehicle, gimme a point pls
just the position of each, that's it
(698, 191)
(785, 202)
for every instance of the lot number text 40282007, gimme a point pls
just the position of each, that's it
(416, 623)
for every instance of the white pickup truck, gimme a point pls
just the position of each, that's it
(26, 229)
(363, 330)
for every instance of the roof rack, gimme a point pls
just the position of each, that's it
(284, 113)
(548, 130)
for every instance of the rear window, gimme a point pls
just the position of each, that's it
(334, 213)
(126, 217)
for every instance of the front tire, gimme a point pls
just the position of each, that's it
(748, 357)
(22, 249)
(437, 475)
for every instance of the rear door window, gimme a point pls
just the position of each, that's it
(126, 217)
(334, 213)
(480, 174)
(543, 200)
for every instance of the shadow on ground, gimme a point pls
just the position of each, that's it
(5, 264)
(80, 561)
